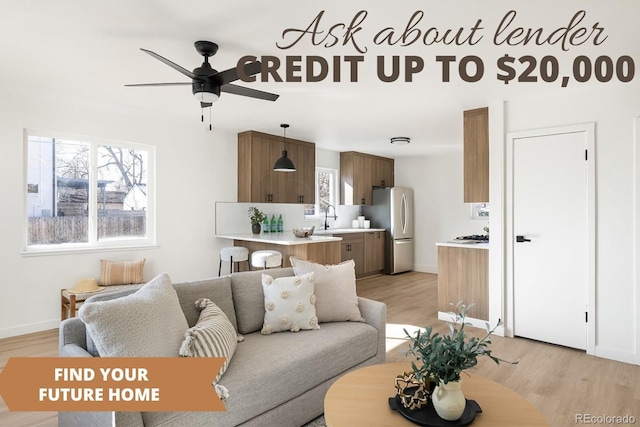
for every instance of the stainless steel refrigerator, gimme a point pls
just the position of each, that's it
(392, 209)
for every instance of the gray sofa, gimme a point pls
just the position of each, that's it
(278, 379)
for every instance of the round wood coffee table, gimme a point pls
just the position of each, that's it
(361, 398)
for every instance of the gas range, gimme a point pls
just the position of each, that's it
(474, 238)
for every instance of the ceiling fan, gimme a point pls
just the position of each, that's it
(207, 83)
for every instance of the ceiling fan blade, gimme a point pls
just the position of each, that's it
(171, 64)
(161, 84)
(231, 74)
(245, 91)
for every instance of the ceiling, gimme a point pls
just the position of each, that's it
(88, 51)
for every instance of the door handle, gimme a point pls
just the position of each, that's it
(521, 239)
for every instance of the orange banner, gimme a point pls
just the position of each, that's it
(111, 384)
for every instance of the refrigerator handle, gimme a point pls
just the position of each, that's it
(404, 211)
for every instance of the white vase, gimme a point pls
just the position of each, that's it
(448, 400)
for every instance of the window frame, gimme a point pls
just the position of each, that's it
(334, 192)
(93, 244)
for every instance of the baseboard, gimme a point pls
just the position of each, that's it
(29, 328)
(615, 354)
(472, 321)
(425, 268)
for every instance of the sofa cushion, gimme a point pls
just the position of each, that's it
(217, 290)
(336, 298)
(212, 336)
(248, 297)
(289, 304)
(146, 323)
(267, 371)
(121, 272)
(112, 292)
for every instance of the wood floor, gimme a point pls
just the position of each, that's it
(561, 382)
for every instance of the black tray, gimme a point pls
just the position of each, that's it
(427, 415)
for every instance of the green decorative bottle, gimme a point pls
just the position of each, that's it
(273, 226)
(280, 224)
(265, 224)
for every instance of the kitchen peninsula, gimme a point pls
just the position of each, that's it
(321, 249)
(463, 275)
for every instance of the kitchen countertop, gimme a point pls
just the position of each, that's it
(284, 238)
(331, 231)
(483, 245)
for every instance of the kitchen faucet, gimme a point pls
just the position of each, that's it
(326, 212)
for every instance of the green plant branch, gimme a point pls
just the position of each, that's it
(256, 215)
(444, 357)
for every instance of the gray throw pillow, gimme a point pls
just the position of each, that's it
(147, 323)
(335, 289)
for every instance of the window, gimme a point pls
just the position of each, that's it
(326, 184)
(82, 193)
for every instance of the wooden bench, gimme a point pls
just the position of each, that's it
(70, 302)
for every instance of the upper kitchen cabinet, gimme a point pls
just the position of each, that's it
(476, 156)
(359, 173)
(300, 185)
(257, 181)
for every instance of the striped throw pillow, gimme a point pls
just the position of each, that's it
(212, 336)
(121, 272)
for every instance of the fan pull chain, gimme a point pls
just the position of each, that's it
(202, 114)
(210, 128)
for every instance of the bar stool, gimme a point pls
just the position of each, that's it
(266, 259)
(233, 254)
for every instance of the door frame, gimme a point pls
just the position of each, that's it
(637, 246)
(590, 309)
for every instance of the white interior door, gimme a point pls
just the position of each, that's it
(550, 238)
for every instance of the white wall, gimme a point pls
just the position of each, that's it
(613, 111)
(440, 213)
(193, 171)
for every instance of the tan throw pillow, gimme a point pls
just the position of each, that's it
(146, 323)
(213, 335)
(121, 272)
(335, 289)
(289, 304)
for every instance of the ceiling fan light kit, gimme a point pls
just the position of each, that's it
(206, 92)
(398, 140)
(207, 83)
(284, 163)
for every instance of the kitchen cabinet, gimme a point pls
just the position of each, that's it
(476, 156)
(257, 181)
(382, 172)
(359, 173)
(366, 249)
(463, 275)
(374, 252)
(320, 252)
(300, 185)
(351, 247)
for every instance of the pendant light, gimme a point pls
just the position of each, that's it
(284, 164)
